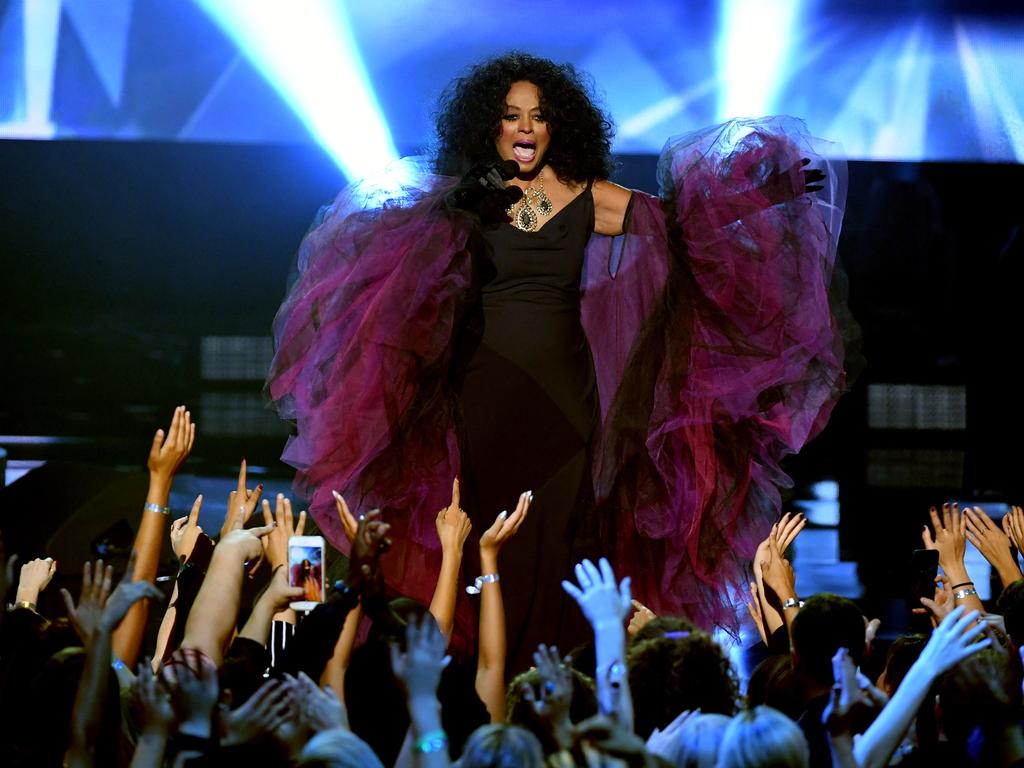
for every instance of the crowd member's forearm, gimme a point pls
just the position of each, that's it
(212, 619)
(92, 688)
(1008, 569)
(163, 634)
(841, 748)
(337, 665)
(876, 745)
(442, 605)
(490, 670)
(148, 545)
(258, 625)
(149, 749)
(425, 719)
(613, 697)
(957, 574)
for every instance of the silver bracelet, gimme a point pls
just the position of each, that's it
(793, 602)
(961, 594)
(479, 581)
(151, 507)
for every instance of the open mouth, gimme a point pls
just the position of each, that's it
(524, 151)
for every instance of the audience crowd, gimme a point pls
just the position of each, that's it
(364, 679)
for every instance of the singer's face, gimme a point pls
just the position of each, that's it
(524, 135)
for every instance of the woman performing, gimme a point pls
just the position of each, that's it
(641, 364)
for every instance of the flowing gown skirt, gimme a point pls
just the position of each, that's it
(529, 410)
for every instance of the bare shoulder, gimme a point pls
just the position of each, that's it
(610, 204)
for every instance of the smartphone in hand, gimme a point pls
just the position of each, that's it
(306, 570)
(924, 564)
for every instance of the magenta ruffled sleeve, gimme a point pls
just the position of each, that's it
(362, 346)
(716, 357)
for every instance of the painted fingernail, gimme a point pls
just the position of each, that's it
(336, 495)
(504, 514)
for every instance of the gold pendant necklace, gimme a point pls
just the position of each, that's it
(534, 204)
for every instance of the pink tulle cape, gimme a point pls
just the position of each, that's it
(713, 335)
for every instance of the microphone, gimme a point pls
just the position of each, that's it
(513, 193)
(508, 169)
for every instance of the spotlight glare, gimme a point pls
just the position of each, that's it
(306, 51)
(752, 53)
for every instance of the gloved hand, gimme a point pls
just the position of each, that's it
(482, 190)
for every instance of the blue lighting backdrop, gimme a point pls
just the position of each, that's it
(894, 80)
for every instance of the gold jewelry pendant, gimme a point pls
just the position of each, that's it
(526, 218)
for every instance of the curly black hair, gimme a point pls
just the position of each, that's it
(668, 675)
(469, 112)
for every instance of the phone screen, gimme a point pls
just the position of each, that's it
(306, 570)
(924, 564)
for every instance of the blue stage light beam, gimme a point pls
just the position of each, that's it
(753, 46)
(307, 52)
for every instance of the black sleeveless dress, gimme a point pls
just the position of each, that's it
(528, 401)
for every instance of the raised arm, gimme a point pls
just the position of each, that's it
(211, 621)
(950, 643)
(606, 606)
(337, 665)
(993, 543)
(166, 455)
(950, 539)
(96, 616)
(453, 527)
(34, 578)
(490, 669)
(418, 670)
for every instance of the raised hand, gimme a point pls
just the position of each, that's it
(993, 543)
(348, 521)
(641, 616)
(777, 574)
(320, 709)
(191, 678)
(126, 594)
(247, 540)
(663, 743)
(262, 713)
(611, 738)
(848, 698)
(941, 604)
(452, 523)
(553, 698)
(1013, 527)
(153, 700)
(185, 531)
(275, 544)
(370, 543)
(167, 454)
(35, 576)
(952, 641)
(279, 592)
(97, 582)
(949, 538)
(599, 597)
(241, 503)
(787, 529)
(503, 529)
(606, 606)
(418, 668)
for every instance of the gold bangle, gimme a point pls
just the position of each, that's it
(24, 604)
